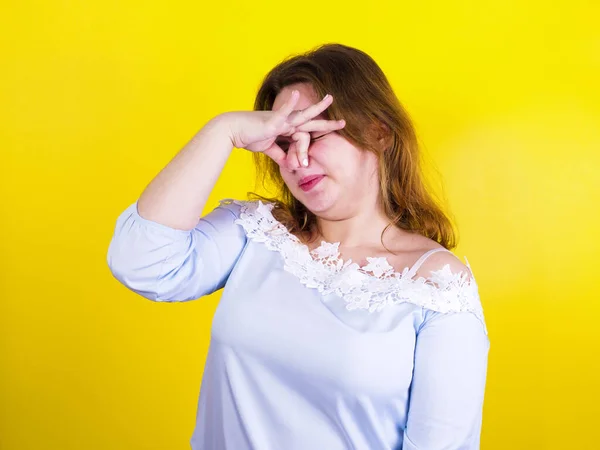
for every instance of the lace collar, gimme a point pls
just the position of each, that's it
(371, 287)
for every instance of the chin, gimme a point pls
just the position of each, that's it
(321, 200)
(318, 203)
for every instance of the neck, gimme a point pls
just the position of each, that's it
(362, 228)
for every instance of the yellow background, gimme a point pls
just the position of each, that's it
(95, 99)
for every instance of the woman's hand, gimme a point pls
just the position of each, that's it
(257, 131)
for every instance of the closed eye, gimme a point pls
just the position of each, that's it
(285, 144)
(314, 137)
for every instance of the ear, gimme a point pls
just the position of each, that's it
(382, 134)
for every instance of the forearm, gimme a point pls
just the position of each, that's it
(177, 195)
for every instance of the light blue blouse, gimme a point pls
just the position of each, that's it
(310, 352)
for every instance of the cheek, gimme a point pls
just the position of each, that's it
(342, 160)
(285, 174)
(320, 156)
(290, 179)
(369, 163)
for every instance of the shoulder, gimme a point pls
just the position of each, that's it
(446, 261)
(452, 287)
(429, 257)
(245, 207)
(255, 217)
(249, 206)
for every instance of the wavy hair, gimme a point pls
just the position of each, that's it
(375, 122)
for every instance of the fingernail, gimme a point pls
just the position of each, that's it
(305, 162)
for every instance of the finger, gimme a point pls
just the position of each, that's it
(322, 125)
(292, 163)
(312, 111)
(302, 141)
(288, 107)
(276, 153)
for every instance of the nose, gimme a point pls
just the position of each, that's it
(301, 139)
(291, 162)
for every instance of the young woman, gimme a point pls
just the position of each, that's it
(345, 322)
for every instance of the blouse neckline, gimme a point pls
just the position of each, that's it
(371, 287)
(328, 252)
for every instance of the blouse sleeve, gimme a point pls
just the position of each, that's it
(167, 264)
(447, 391)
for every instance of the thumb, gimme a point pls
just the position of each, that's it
(278, 155)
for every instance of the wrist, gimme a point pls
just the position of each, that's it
(222, 124)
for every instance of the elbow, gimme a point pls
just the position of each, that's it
(171, 272)
(457, 442)
(137, 278)
(444, 434)
(149, 258)
(171, 280)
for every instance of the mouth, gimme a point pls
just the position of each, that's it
(307, 183)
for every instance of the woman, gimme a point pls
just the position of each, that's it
(345, 321)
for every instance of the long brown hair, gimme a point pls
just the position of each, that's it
(375, 121)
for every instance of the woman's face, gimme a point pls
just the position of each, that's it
(344, 177)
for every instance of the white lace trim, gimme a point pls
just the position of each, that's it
(371, 287)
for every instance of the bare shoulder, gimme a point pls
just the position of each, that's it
(439, 260)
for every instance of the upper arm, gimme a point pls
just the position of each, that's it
(447, 390)
(166, 264)
(450, 368)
